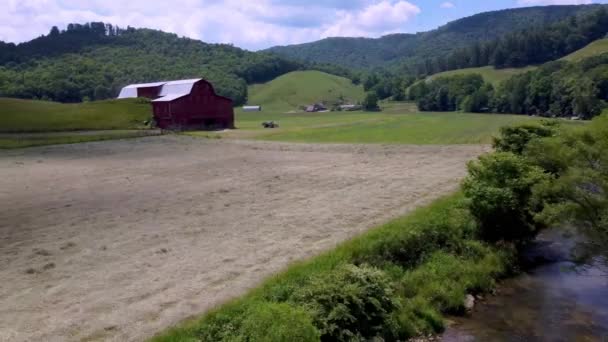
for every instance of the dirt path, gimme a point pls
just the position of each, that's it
(117, 240)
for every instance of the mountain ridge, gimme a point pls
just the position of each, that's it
(404, 48)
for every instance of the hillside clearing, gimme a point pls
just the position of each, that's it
(596, 48)
(489, 73)
(122, 239)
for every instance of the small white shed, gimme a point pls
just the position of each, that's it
(252, 108)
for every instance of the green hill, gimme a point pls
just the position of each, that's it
(93, 61)
(598, 47)
(296, 89)
(489, 73)
(43, 116)
(412, 49)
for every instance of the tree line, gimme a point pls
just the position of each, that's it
(93, 61)
(530, 46)
(556, 89)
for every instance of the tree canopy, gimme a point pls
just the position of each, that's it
(93, 61)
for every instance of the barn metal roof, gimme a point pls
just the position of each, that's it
(178, 87)
(170, 90)
(145, 85)
(170, 97)
(130, 91)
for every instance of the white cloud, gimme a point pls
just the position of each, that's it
(554, 2)
(380, 18)
(447, 4)
(251, 24)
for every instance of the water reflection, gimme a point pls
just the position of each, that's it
(555, 301)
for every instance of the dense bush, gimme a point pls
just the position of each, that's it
(352, 303)
(272, 322)
(499, 190)
(515, 139)
(370, 103)
(579, 193)
(408, 244)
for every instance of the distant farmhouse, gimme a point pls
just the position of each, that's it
(184, 104)
(317, 107)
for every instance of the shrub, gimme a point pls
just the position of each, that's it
(258, 321)
(406, 245)
(272, 322)
(350, 303)
(515, 139)
(370, 103)
(579, 193)
(499, 191)
(445, 279)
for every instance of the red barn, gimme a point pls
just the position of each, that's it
(185, 104)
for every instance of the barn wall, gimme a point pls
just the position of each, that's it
(201, 109)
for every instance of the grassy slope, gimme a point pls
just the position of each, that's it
(41, 116)
(496, 76)
(301, 88)
(489, 74)
(18, 140)
(596, 48)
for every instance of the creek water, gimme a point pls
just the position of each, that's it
(555, 299)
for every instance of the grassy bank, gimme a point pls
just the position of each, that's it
(42, 116)
(17, 140)
(394, 282)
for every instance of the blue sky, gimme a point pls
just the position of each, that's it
(251, 24)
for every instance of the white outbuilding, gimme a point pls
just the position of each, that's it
(252, 108)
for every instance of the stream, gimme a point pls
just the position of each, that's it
(554, 300)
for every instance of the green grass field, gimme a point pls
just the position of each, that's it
(489, 74)
(398, 123)
(598, 47)
(18, 115)
(296, 89)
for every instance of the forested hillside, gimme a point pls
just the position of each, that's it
(532, 46)
(93, 61)
(556, 89)
(413, 50)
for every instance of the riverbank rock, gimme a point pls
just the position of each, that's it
(469, 302)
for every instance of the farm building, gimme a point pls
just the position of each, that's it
(184, 104)
(317, 107)
(350, 107)
(252, 108)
